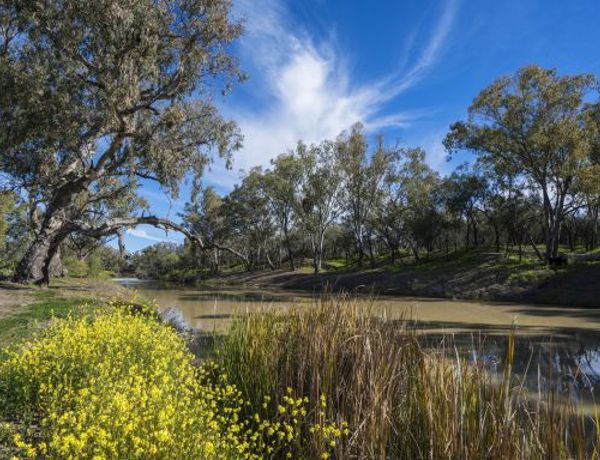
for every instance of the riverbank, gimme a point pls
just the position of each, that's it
(469, 276)
(327, 382)
(27, 309)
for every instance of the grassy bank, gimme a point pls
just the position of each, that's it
(326, 380)
(119, 383)
(469, 275)
(26, 310)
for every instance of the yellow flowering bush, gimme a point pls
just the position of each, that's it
(122, 385)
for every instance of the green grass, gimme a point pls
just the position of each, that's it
(30, 318)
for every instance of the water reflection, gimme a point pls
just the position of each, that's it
(567, 362)
(555, 348)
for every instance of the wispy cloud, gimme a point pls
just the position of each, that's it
(143, 234)
(308, 92)
(429, 55)
(436, 152)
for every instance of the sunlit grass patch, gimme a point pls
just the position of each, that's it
(31, 317)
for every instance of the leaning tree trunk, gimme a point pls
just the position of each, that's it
(37, 264)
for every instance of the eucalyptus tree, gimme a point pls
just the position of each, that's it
(536, 123)
(250, 222)
(116, 89)
(388, 215)
(157, 261)
(361, 184)
(206, 216)
(420, 187)
(407, 200)
(494, 205)
(7, 202)
(318, 204)
(282, 183)
(464, 194)
(588, 185)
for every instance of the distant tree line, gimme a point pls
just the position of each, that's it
(534, 184)
(97, 98)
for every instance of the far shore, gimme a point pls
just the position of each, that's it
(574, 286)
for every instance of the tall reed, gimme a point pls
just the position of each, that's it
(399, 400)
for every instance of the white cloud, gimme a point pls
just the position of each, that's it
(143, 234)
(436, 153)
(429, 54)
(308, 91)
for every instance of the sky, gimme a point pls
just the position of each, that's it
(405, 69)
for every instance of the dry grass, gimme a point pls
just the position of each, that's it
(399, 400)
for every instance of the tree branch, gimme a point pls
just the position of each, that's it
(111, 226)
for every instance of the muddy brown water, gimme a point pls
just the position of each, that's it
(555, 346)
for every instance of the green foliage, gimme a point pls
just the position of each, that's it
(95, 266)
(98, 95)
(7, 202)
(157, 261)
(30, 318)
(538, 128)
(76, 268)
(92, 267)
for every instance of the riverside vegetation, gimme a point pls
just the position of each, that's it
(323, 381)
(143, 73)
(100, 98)
(120, 384)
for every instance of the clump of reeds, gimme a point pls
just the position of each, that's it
(399, 400)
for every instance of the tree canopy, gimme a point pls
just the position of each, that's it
(541, 128)
(98, 95)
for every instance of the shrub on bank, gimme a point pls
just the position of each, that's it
(123, 385)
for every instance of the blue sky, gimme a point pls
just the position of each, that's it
(405, 69)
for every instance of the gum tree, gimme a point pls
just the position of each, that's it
(318, 203)
(205, 216)
(362, 180)
(535, 124)
(249, 220)
(98, 95)
(282, 183)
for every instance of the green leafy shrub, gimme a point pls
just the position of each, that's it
(76, 268)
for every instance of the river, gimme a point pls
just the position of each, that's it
(554, 345)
